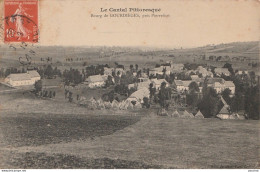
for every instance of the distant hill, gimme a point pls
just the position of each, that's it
(237, 47)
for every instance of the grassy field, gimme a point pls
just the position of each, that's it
(37, 129)
(34, 131)
(81, 141)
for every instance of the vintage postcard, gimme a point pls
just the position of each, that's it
(133, 84)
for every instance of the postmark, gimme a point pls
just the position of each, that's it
(21, 21)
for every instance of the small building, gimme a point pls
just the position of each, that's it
(138, 95)
(143, 79)
(219, 84)
(226, 85)
(241, 72)
(186, 85)
(95, 81)
(157, 83)
(145, 84)
(179, 85)
(177, 66)
(204, 72)
(156, 71)
(220, 71)
(194, 77)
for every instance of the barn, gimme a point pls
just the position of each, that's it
(22, 79)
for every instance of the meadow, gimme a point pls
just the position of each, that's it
(107, 139)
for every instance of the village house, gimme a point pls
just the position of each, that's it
(141, 83)
(204, 72)
(241, 72)
(138, 95)
(143, 79)
(22, 79)
(179, 85)
(193, 77)
(183, 86)
(157, 83)
(220, 71)
(145, 84)
(219, 84)
(95, 81)
(108, 71)
(177, 66)
(156, 71)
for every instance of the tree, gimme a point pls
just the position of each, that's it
(226, 95)
(229, 67)
(121, 89)
(209, 105)
(38, 86)
(136, 67)
(109, 81)
(164, 72)
(49, 71)
(146, 102)
(192, 99)
(131, 68)
(164, 95)
(50, 94)
(252, 104)
(152, 91)
(194, 87)
(70, 97)
(131, 90)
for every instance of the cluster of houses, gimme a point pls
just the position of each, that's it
(200, 75)
(143, 84)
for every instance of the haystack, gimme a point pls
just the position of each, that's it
(92, 103)
(122, 105)
(100, 104)
(199, 115)
(186, 115)
(233, 116)
(241, 117)
(138, 105)
(130, 106)
(175, 114)
(92, 99)
(108, 105)
(162, 112)
(115, 104)
(82, 98)
(83, 102)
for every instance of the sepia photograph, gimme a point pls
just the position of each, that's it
(133, 84)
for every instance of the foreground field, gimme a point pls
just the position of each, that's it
(47, 141)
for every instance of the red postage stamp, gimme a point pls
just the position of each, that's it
(21, 21)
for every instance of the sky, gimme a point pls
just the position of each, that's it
(191, 23)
